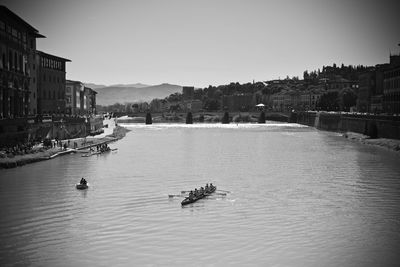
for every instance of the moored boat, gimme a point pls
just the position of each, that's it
(188, 200)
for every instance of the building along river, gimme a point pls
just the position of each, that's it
(299, 197)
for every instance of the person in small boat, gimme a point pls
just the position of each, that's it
(196, 192)
(206, 188)
(83, 181)
(191, 195)
(211, 186)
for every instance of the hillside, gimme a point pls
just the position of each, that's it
(128, 94)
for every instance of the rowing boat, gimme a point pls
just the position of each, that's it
(194, 199)
(82, 186)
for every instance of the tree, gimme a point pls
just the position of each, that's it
(329, 101)
(198, 94)
(306, 76)
(347, 99)
(211, 104)
(176, 97)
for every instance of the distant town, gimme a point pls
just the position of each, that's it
(36, 95)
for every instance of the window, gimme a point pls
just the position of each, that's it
(20, 62)
(14, 32)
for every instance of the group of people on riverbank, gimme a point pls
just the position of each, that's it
(203, 190)
(18, 149)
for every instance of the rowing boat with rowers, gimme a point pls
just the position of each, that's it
(189, 200)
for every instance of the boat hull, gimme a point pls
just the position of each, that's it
(187, 201)
(81, 186)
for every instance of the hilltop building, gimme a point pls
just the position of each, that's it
(241, 102)
(338, 83)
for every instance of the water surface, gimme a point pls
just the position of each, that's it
(299, 197)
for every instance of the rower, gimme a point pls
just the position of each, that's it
(82, 181)
(196, 192)
(201, 190)
(191, 194)
(206, 188)
(211, 186)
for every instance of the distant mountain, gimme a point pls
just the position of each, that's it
(136, 85)
(94, 86)
(128, 94)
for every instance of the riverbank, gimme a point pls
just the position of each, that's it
(39, 153)
(391, 144)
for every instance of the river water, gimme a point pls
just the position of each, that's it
(299, 197)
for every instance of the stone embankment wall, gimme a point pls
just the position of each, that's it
(374, 126)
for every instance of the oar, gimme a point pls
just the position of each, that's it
(175, 196)
(221, 194)
(223, 191)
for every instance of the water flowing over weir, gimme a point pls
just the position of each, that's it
(298, 197)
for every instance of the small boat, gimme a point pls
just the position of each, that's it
(82, 186)
(194, 199)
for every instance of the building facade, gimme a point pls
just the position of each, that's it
(51, 84)
(73, 90)
(90, 106)
(367, 84)
(238, 102)
(17, 51)
(391, 86)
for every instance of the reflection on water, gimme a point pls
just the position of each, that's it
(299, 197)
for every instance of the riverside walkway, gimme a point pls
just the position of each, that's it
(63, 147)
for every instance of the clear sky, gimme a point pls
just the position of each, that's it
(210, 42)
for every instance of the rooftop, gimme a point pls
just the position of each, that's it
(4, 11)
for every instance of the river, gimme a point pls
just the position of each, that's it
(298, 197)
